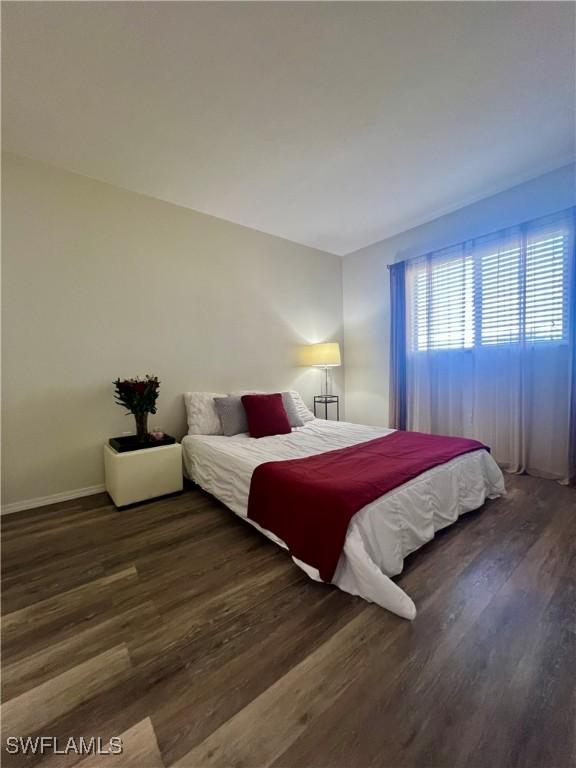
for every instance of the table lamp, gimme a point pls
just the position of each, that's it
(325, 356)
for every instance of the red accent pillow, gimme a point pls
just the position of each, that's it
(266, 415)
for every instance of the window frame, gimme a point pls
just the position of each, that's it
(476, 316)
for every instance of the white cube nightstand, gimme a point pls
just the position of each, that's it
(139, 475)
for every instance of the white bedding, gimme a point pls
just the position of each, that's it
(381, 534)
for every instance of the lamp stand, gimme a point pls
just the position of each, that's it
(327, 381)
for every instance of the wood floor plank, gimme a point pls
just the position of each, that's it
(261, 731)
(35, 668)
(37, 612)
(178, 627)
(550, 704)
(35, 708)
(117, 709)
(534, 699)
(55, 618)
(256, 649)
(431, 673)
(139, 750)
(38, 583)
(471, 687)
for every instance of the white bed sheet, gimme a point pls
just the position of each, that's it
(381, 534)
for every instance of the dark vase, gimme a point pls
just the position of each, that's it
(142, 426)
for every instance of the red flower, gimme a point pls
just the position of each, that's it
(138, 395)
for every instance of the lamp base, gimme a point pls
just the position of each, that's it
(326, 384)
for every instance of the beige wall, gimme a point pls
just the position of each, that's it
(100, 282)
(366, 280)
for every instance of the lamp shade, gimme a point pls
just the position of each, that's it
(324, 355)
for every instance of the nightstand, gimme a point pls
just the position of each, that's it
(327, 400)
(135, 476)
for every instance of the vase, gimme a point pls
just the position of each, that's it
(142, 426)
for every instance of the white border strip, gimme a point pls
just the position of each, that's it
(44, 501)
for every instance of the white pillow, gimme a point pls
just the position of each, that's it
(202, 416)
(301, 408)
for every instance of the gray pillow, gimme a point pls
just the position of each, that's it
(291, 410)
(232, 415)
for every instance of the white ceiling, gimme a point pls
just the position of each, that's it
(331, 124)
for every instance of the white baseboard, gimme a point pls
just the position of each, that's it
(43, 501)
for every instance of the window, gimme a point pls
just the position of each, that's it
(501, 289)
(443, 305)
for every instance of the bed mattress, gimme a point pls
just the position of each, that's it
(384, 532)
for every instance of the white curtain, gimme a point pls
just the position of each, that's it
(490, 344)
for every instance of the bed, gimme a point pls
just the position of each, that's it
(383, 532)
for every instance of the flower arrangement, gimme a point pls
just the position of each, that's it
(139, 397)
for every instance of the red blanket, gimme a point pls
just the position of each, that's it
(309, 502)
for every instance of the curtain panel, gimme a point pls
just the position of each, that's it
(572, 320)
(489, 333)
(398, 390)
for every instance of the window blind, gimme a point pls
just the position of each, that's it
(507, 288)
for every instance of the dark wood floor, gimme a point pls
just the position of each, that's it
(185, 632)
